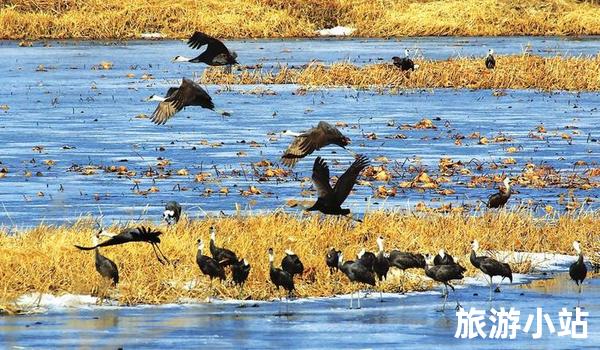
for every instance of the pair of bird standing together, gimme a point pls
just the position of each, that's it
(442, 268)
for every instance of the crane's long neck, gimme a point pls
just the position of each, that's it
(182, 59)
(380, 245)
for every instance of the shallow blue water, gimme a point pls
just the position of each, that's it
(401, 322)
(83, 116)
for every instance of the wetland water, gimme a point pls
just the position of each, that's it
(400, 322)
(83, 117)
(66, 117)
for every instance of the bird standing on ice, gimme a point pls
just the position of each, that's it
(578, 270)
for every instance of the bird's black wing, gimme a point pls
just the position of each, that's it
(346, 182)
(171, 91)
(320, 177)
(303, 145)
(214, 46)
(197, 96)
(175, 102)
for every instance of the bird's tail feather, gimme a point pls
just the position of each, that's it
(84, 248)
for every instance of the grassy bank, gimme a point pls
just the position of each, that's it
(44, 259)
(512, 72)
(111, 19)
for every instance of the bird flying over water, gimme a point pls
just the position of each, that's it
(322, 135)
(331, 199)
(189, 93)
(216, 53)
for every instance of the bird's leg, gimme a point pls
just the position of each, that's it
(490, 289)
(358, 298)
(352, 153)
(210, 290)
(444, 305)
(160, 260)
(351, 294)
(163, 255)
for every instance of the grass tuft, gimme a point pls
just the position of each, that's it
(111, 19)
(44, 260)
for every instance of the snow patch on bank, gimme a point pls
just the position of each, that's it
(336, 31)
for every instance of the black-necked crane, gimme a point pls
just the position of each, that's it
(188, 94)
(280, 278)
(239, 272)
(330, 199)
(292, 264)
(444, 274)
(578, 270)
(105, 267)
(209, 266)
(381, 265)
(322, 135)
(216, 53)
(172, 213)
(356, 273)
(405, 261)
(404, 63)
(489, 266)
(490, 61)
(498, 200)
(136, 234)
(331, 259)
(224, 256)
(443, 258)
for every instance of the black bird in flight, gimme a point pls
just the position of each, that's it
(331, 199)
(322, 135)
(189, 93)
(136, 234)
(216, 53)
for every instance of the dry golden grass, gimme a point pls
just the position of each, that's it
(44, 259)
(95, 19)
(512, 72)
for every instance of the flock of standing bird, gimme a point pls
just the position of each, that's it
(368, 268)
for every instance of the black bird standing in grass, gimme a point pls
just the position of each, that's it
(189, 93)
(225, 257)
(498, 200)
(105, 267)
(578, 270)
(443, 258)
(322, 135)
(172, 213)
(331, 259)
(405, 63)
(405, 261)
(240, 271)
(136, 234)
(490, 61)
(281, 278)
(291, 263)
(444, 274)
(330, 199)
(367, 258)
(209, 266)
(381, 265)
(489, 266)
(216, 53)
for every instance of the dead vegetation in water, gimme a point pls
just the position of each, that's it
(44, 259)
(110, 19)
(512, 72)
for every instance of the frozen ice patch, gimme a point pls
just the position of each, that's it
(336, 31)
